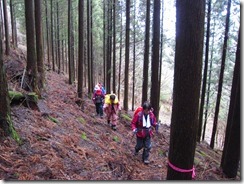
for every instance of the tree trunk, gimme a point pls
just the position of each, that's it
(114, 46)
(233, 121)
(146, 55)
(134, 56)
(204, 81)
(127, 55)
(13, 24)
(215, 123)
(208, 90)
(39, 46)
(120, 50)
(81, 50)
(31, 68)
(186, 90)
(5, 12)
(52, 39)
(47, 35)
(4, 98)
(155, 59)
(109, 40)
(71, 44)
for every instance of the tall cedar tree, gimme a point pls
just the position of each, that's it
(4, 98)
(52, 32)
(186, 90)
(146, 54)
(89, 46)
(221, 77)
(231, 153)
(13, 24)
(134, 56)
(127, 55)
(114, 46)
(209, 84)
(81, 49)
(47, 35)
(39, 41)
(31, 73)
(154, 98)
(204, 81)
(109, 46)
(71, 44)
(91, 40)
(5, 12)
(120, 48)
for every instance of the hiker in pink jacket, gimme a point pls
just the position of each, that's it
(141, 125)
(111, 108)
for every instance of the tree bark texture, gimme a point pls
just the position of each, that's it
(186, 89)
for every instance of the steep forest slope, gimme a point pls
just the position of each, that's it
(63, 141)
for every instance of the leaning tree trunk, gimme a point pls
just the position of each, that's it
(186, 91)
(221, 77)
(204, 82)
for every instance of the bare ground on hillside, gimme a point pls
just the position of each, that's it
(65, 141)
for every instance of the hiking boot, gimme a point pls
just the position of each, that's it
(136, 153)
(113, 127)
(101, 116)
(146, 161)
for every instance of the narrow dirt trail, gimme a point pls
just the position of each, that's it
(81, 146)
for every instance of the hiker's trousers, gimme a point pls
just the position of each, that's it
(143, 143)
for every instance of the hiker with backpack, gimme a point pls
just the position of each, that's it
(111, 108)
(98, 98)
(141, 125)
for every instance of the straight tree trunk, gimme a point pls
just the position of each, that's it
(146, 55)
(155, 58)
(58, 40)
(120, 49)
(204, 81)
(13, 24)
(186, 90)
(114, 46)
(134, 56)
(215, 123)
(81, 50)
(31, 68)
(39, 46)
(71, 44)
(52, 39)
(127, 55)
(208, 90)
(109, 47)
(4, 98)
(47, 35)
(104, 43)
(89, 47)
(5, 12)
(92, 53)
(232, 120)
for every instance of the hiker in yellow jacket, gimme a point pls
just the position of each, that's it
(111, 107)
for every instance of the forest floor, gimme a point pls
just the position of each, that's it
(62, 140)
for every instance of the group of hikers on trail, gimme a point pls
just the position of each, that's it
(142, 122)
